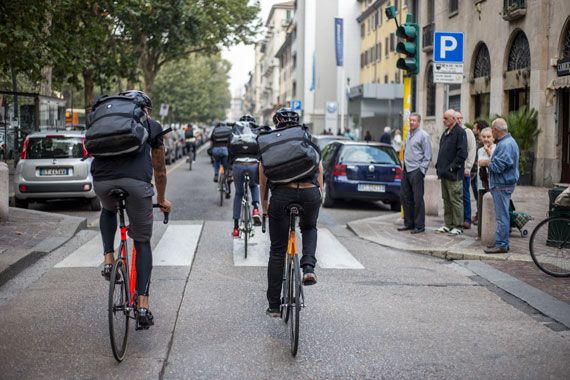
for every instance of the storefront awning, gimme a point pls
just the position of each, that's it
(556, 84)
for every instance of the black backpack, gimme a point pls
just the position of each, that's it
(288, 154)
(243, 140)
(221, 134)
(117, 126)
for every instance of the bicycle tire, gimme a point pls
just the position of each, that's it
(287, 289)
(295, 305)
(549, 246)
(246, 220)
(190, 162)
(221, 182)
(118, 303)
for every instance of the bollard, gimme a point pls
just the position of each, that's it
(432, 195)
(488, 220)
(4, 192)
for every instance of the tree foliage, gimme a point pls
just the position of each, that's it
(196, 88)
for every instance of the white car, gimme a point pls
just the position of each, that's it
(54, 165)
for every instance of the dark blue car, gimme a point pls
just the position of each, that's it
(358, 170)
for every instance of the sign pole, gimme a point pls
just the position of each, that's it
(342, 98)
(406, 112)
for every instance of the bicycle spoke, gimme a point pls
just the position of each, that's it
(550, 246)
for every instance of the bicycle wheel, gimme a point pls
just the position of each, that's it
(222, 180)
(118, 310)
(550, 246)
(246, 222)
(295, 305)
(287, 287)
(190, 161)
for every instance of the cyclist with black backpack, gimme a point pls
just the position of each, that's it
(219, 143)
(291, 169)
(243, 151)
(126, 153)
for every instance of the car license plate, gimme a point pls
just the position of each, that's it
(371, 188)
(54, 171)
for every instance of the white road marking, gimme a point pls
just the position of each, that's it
(331, 254)
(177, 245)
(88, 255)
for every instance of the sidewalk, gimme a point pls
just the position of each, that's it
(29, 235)
(517, 263)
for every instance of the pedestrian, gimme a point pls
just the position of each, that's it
(503, 176)
(397, 141)
(469, 162)
(417, 156)
(385, 138)
(348, 133)
(450, 168)
(484, 155)
(367, 137)
(478, 126)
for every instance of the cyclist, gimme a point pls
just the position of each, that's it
(133, 173)
(190, 140)
(242, 161)
(219, 147)
(304, 191)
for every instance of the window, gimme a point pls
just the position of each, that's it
(362, 29)
(294, 88)
(386, 46)
(397, 77)
(454, 99)
(386, 79)
(376, 20)
(361, 60)
(430, 11)
(397, 4)
(366, 57)
(368, 154)
(392, 41)
(57, 146)
(372, 57)
(453, 6)
(378, 52)
(294, 61)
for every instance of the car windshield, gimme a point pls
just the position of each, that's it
(55, 147)
(324, 141)
(368, 154)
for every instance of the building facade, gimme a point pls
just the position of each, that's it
(512, 52)
(376, 102)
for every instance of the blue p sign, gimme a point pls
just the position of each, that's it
(296, 104)
(448, 47)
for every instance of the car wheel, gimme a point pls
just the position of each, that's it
(395, 206)
(21, 203)
(95, 204)
(327, 198)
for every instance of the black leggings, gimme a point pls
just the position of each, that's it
(108, 225)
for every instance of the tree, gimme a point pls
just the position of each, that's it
(164, 31)
(195, 88)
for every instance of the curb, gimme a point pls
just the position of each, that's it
(447, 254)
(66, 230)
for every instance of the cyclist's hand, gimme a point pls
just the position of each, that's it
(165, 206)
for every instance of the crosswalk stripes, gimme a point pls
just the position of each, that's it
(331, 254)
(175, 248)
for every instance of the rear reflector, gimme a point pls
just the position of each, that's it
(23, 188)
(24, 152)
(86, 187)
(398, 174)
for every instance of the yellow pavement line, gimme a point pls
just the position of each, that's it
(176, 166)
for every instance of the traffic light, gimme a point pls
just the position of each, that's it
(409, 33)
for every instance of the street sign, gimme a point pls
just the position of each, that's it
(448, 47)
(447, 72)
(296, 104)
(163, 110)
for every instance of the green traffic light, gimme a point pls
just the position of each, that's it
(391, 12)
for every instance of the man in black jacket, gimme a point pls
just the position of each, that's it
(450, 167)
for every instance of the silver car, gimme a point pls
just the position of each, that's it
(53, 166)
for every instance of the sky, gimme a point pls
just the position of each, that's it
(242, 57)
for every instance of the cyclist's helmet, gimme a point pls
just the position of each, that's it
(140, 96)
(248, 118)
(285, 117)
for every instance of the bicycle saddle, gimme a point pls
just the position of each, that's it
(118, 193)
(294, 208)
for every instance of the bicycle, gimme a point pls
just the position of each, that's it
(292, 296)
(549, 246)
(246, 224)
(223, 185)
(122, 285)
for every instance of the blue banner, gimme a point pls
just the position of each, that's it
(338, 39)
(314, 72)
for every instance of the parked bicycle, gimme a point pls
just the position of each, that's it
(550, 246)
(292, 297)
(122, 296)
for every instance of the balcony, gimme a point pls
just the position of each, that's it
(514, 9)
(427, 37)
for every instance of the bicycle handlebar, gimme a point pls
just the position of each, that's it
(165, 221)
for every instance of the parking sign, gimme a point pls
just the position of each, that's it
(448, 47)
(296, 104)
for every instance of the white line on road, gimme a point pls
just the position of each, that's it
(89, 255)
(331, 254)
(177, 246)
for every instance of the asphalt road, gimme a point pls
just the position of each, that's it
(400, 316)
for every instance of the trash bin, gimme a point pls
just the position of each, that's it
(553, 194)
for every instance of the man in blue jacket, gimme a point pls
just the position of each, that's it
(503, 176)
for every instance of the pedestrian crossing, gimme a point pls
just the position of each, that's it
(331, 254)
(179, 242)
